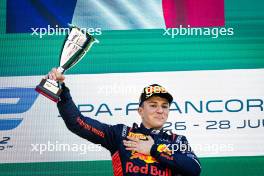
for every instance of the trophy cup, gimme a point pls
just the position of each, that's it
(76, 44)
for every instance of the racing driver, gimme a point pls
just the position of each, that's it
(144, 149)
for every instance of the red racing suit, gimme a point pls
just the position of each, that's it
(170, 154)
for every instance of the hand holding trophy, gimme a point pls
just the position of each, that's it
(76, 44)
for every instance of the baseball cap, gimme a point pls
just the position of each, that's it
(156, 90)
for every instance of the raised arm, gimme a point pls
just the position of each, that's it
(84, 127)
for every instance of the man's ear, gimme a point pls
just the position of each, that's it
(140, 109)
(140, 112)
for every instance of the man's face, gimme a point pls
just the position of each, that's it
(154, 112)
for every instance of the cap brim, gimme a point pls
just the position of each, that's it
(167, 96)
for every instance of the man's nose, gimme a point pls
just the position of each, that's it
(160, 109)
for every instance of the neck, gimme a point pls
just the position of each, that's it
(150, 127)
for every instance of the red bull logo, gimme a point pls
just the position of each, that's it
(143, 157)
(146, 169)
(162, 148)
(146, 158)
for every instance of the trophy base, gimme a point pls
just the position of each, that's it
(49, 90)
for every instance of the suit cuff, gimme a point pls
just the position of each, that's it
(65, 94)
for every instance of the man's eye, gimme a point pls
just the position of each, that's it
(153, 105)
(165, 107)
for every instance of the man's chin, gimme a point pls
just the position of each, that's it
(158, 125)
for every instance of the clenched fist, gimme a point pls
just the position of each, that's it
(55, 75)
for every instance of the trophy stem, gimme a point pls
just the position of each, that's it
(60, 70)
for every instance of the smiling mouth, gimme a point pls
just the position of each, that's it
(159, 118)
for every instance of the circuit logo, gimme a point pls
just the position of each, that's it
(15, 101)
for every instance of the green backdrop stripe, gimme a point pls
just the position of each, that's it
(231, 166)
(135, 51)
(144, 50)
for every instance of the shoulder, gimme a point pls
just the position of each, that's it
(176, 138)
(181, 138)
